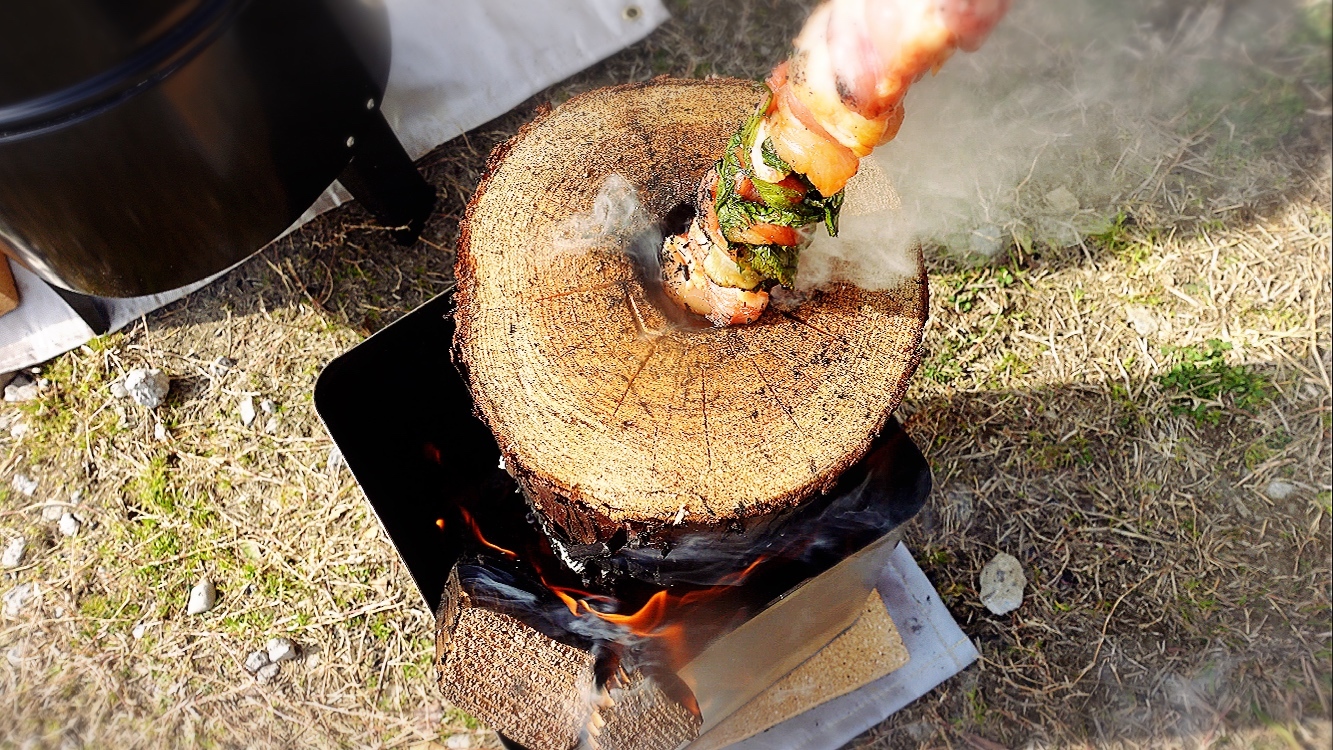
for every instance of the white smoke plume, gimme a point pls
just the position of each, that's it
(1072, 111)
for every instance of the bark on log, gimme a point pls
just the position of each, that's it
(610, 418)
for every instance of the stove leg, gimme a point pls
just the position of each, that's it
(384, 180)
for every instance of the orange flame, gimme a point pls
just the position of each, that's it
(476, 531)
(439, 522)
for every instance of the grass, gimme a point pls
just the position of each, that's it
(1202, 377)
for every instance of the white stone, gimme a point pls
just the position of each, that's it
(69, 524)
(1002, 583)
(21, 390)
(334, 462)
(256, 661)
(118, 390)
(13, 556)
(147, 386)
(139, 630)
(268, 407)
(271, 426)
(248, 411)
(202, 597)
(459, 742)
(1279, 490)
(24, 484)
(1142, 320)
(19, 429)
(160, 432)
(280, 649)
(18, 597)
(53, 511)
(266, 673)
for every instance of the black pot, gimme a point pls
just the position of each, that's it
(148, 144)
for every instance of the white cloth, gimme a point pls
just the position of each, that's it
(456, 65)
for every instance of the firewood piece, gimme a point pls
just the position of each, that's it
(863, 653)
(9, 293)
(609, 417)
(640, 716)
(517, 681)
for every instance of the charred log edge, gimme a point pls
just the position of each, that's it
(553, 495)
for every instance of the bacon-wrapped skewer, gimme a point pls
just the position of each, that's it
(836, 99)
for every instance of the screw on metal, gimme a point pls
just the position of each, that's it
(632, 12)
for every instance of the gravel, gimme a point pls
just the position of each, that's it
(221, 366)
(1279, 490)
(248, 411)
(24, 484)
(256, 661)
(53, 511)
(21, 388)
(280, 649)
(1002, 583)
(266, 673)
(13, 555)
(18, 597)
(69, 524)
(147, 386)
(202, 597)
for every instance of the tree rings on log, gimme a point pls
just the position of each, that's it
(610, 416)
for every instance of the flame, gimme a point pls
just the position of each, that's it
(439, 522)
(476, 531)
(650, 621)
(431, 452)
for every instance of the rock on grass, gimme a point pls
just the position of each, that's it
(18, 597)
(24, 484)
(1002, 583)
(13, 556)
(1279, 490)
(202, 597)
(147, 386)
(280, 649)
(256, 661)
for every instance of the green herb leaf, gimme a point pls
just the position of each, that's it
(771, 158)
(774, 261)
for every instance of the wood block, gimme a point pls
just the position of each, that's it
(865, 652)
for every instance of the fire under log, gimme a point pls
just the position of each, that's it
(537, 690)
(623, 428)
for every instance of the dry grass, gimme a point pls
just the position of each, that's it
(1172, 602)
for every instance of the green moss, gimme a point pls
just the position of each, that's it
(1201, 378)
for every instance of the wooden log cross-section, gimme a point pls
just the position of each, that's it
(610, 417)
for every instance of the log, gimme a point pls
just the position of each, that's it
(519, 682)
(610, 417)
(542, 693)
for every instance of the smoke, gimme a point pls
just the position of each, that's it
(617, 217)
(1072, 111)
